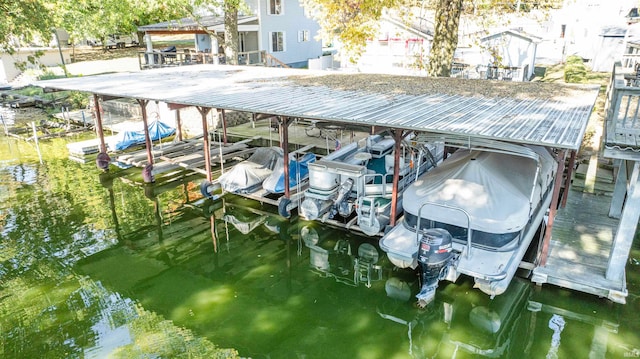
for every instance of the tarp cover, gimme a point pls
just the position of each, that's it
(493, 188)
(249, 174)
(298, 172)
(157, 130)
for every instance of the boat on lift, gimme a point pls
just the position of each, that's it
(474, 215)
(354, 184)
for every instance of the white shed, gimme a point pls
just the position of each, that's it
(516, 50)
(609, 48)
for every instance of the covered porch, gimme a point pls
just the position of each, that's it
(208, 40)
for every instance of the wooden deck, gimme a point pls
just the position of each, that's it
(582, 239)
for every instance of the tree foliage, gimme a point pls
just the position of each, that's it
(23, 21)
(351, 22)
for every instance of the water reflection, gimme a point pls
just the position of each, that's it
(107, 266)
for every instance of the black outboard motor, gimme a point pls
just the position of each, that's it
(434, 253)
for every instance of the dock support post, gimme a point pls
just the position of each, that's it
(178, 125)
(619, 190)
(99, 130)
(553, 208)
(398, 135)
(567, 181)
(35, 138)
(147, 171)
(207, 150)
(103, 160)
(626, 229)
(223, 115)
(283, 124)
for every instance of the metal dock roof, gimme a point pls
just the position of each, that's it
(552, 115)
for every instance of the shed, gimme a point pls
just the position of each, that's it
(609, 48)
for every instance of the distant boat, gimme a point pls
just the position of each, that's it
(477, 214)
(157, 130)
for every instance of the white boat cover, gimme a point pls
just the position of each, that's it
(493, 188)
(250, 173)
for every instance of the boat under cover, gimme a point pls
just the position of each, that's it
(157, 130)
(500, 197)
(248, 175)
(298, 172)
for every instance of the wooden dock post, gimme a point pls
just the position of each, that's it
(398, 135)
(553, 210)
(99, 130)
(619, 190)
(35, 138)
(626, 229)
(207, 150)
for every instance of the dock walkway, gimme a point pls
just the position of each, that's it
(582, 238)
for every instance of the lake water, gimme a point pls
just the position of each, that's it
(93, 266)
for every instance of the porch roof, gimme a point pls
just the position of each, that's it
(552, 115)
(190, 25)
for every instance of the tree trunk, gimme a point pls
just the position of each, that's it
(445, 39)
(231, 32)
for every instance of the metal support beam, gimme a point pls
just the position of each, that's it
(283, 127)
(99, 130)
(398, 135)
(224, 125)
(553, 208)
(147, 139)
(619, 191)
(178, 125)
(567, 180)
(176, 106)
(626, 229)
(207, 150)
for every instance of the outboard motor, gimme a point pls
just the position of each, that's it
(341, 200)
(434, 254)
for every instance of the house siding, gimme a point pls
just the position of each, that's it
(291, 21)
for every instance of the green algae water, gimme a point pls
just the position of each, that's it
(96, 265)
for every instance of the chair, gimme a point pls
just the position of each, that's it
(187, 56)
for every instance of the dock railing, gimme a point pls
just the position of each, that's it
(622, 111)
(157, 59)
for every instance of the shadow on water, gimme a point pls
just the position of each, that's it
(94, 264)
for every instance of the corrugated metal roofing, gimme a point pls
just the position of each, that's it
(523, 114)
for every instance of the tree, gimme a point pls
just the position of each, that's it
(445, 38)
(24, 22)
(352, 22)
(231, 30)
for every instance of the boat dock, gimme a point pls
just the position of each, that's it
(585, 247)
(582, 239)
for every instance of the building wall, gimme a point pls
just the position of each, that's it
(611, 49)
(291, 21)
(515, 52)
(51, 57)
(394, 50)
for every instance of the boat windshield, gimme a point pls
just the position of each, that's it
(495, 241)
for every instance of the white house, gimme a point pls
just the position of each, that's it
(399, 47)
(507, 54)
(281, 28)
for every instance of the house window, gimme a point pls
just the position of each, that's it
(275, 7)
(277, 41)
(303, 35)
